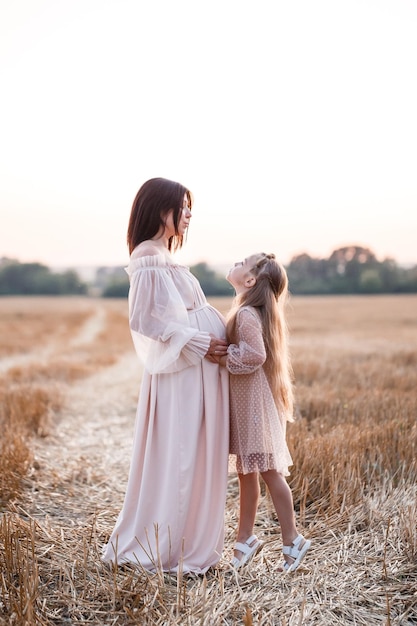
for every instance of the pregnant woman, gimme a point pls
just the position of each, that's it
(173, 513)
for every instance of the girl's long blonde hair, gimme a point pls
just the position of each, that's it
(268, 296)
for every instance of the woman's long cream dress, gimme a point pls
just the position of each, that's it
(173, 513)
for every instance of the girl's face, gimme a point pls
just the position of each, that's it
(184, 220)
(240, 277)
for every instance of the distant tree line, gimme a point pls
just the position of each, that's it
(29, 279)
(112, 282)
(211, 282)
(348, 270)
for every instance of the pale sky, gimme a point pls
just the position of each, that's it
(293, 123)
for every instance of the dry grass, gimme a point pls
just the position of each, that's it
(355, 382)
(54, 342)
(354, 485)
(29, 323)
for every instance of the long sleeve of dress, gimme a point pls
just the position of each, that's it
(163, 337)
(249, 354)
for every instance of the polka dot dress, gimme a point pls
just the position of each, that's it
(257, 431)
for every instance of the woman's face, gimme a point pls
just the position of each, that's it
(184, 220)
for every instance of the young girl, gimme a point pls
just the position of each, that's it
(261, 402)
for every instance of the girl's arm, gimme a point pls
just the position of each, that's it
(249, 354)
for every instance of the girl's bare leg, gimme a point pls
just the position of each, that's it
(282, 498)
(283, 503)
(249, 499)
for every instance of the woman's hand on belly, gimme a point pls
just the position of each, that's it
(216, 349)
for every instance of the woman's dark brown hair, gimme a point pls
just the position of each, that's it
(154, 200)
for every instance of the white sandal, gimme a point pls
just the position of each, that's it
(248, 551)
(296, 552)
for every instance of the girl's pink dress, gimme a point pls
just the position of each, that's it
(257, 427)
(173, 513)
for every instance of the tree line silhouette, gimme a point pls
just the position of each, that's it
(29, 279)
(348, 270)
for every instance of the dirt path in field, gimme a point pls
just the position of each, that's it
(81, 465)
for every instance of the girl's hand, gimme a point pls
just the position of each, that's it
(222, 360)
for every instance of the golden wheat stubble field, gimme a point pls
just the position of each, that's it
(69, 381)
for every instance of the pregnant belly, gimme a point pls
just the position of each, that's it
(209, 319)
